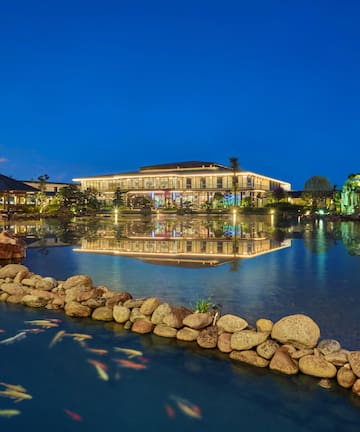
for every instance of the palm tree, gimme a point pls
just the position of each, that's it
(235, 167)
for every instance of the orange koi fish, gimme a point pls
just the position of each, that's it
(170, 411)
(187, 407)
(129, 364)
(101, 365)
(97, 351)
(73, 415)
(59, 335)
(42, 323)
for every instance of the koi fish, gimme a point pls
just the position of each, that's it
(170, 411)
(16, 387)
(42, 323)
(102, 373)
(96, 363)
(97, 351)
(18, 337)
(187, 407)
(79, 336)
(33, 330)
(131, 353)
(59, 335)
(16, 395)
(73, 415)
(129, 364)
(2, 331)
(9, 413)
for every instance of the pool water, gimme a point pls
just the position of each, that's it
(174, 385)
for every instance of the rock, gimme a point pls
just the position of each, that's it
(96, 302)
(78, 281)
(300, 330)
(249, 357)
(11, 270)
(328, 346)
(34, 301)
(149, 305)
(45, 284)
(198, 321)
(135, 314)
(142, 326)
(231, 323)
(356, 387)
(31, 281)
(267, 349)
(113, 299)
(102, 313)
(127, 325)
(21, 275)
(208, 337)
(14, 299)
(176, 316)
(133, 303)
(282, 362)
(264, 325)
(165, 331)
(345, 376)
(13, 288)
(317, 366)
(297, 354)
(76, 309)
(4, 296)
(338, 358)
(11, 247)
(354, 360)
(79, 294)
(224, 342)
(121, 314)
(325, 383)
(246, 339)
(187, 334)
(160, 312)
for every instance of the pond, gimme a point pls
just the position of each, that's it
(248, 266)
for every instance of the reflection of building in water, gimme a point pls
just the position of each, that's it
(191, 246)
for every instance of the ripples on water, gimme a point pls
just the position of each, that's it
(316, 275)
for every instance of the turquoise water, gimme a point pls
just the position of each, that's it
(303, 277)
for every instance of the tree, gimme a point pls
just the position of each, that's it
(118, 200)
(41, 196)
(278, 194)
(235, 167)
(316, 190)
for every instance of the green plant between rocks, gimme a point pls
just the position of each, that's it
(202, 305)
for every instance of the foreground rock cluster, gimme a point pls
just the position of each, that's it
(289, 346)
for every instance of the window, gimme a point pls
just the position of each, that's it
(202, 182)
(219, 247)
(219, 182)
(188, 246)
(188, 183)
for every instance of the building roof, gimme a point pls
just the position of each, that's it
(8, 184)
(183, 165)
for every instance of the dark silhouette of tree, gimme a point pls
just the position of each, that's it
(316, 190)
(235, 167)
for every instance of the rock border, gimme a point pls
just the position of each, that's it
(289, 346)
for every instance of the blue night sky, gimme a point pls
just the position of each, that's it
(99, 87)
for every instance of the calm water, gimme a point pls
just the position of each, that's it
(247, 266)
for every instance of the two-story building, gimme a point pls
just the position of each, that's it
(194, 183)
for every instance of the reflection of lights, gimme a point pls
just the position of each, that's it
(272, 211)
(116, 214)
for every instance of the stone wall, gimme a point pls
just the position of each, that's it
(289, 346)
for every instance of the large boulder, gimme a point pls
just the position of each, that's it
(165, 331)
(149, 305)
(11, 270)
(102, 313)
(282, 362)
(231, 323)
(354, 360)
(160, 312)
(299, 329)
(208, 337)
(121, 314)
(176, 316)
(247, 339)
(317, 366)
(249, 357)
(197, 320)
(78, 281)
(187, 334)
(345, 376)
(13, 288)
(142, 326)
(76, 309)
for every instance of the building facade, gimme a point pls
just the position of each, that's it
(196, 184)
